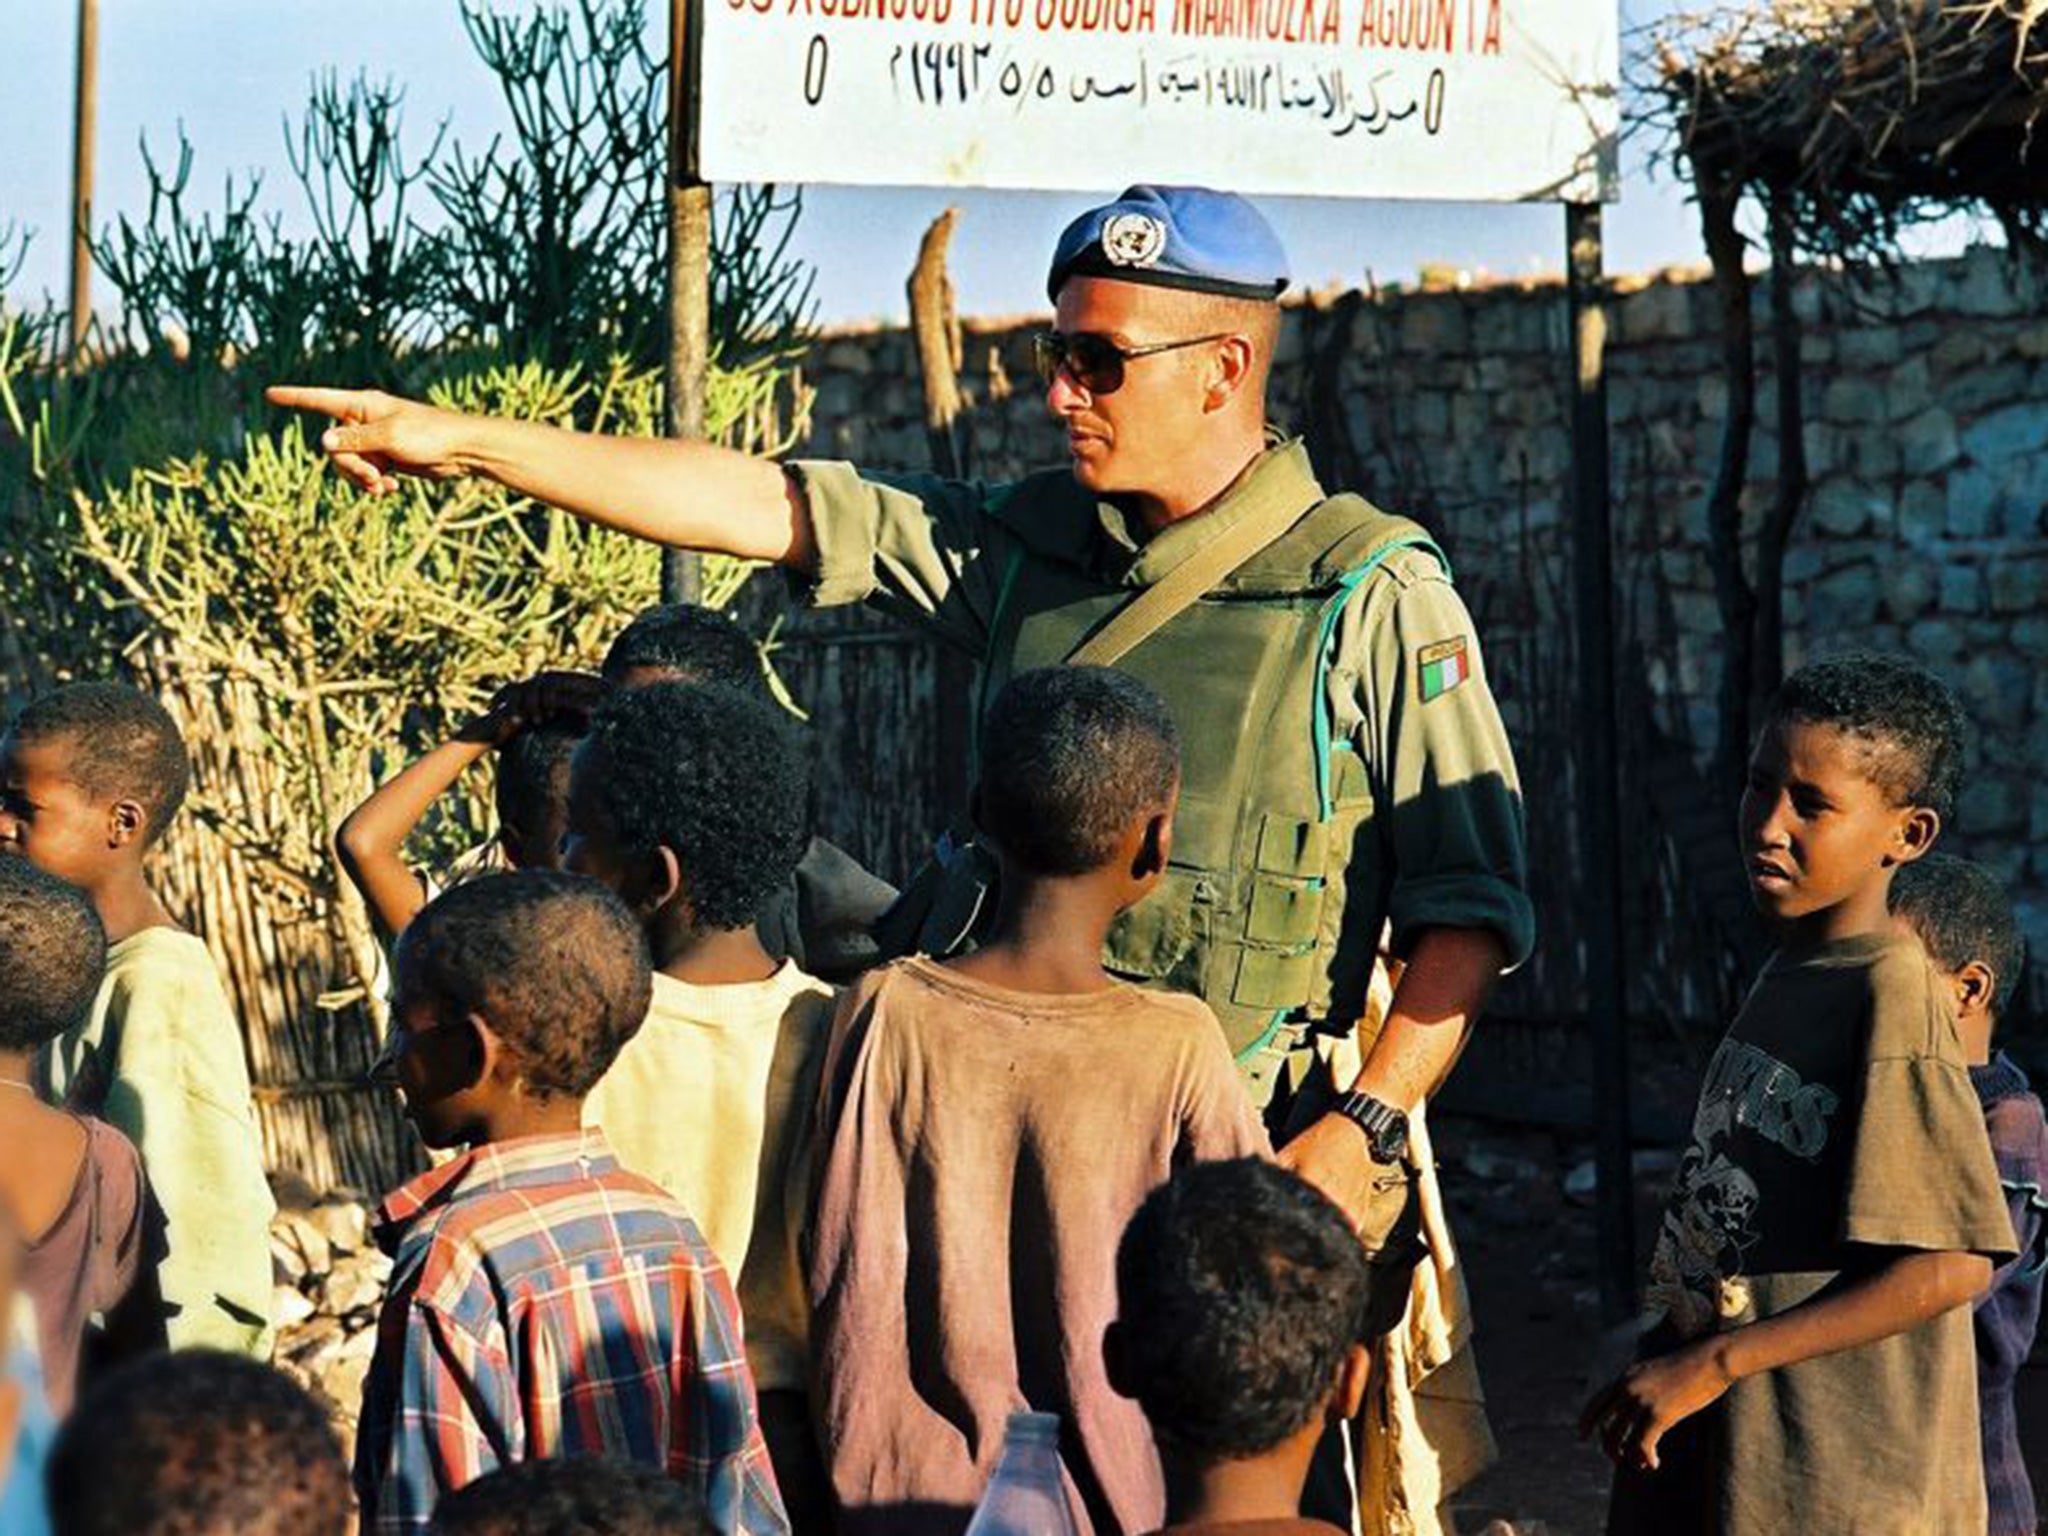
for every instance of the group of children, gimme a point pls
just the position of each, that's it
(657, 1121)
(714, 1246)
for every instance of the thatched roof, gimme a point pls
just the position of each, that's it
(1872, 115)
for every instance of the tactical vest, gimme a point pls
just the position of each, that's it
(1274, 840)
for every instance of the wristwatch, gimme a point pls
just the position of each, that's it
(1385, 1127)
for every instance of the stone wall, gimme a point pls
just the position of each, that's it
(1927, 440)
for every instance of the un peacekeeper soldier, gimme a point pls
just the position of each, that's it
(1346, 773)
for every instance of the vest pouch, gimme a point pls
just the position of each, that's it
(1290, 846)
(1285, 913)
(1273, 978)
(1163, 938)
(1287, 882)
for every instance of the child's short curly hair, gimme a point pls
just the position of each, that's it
(1240, 1289)
(53, 955)
(690, 643)
(128, 745)
(1962, 913)
(532, 783)
(1907, 719)
(208, 1441)
(555, 963)
(718, 776)
(1069, 757)
(587, 1495)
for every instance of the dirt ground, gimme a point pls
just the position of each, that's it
(1528, 1251)
(1528, 1247)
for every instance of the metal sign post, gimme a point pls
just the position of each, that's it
(1599, 785)
(689, 276)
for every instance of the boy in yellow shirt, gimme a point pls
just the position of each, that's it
(90, 776)
(691, 802)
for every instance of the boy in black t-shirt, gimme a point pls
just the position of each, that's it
(1808, 1364)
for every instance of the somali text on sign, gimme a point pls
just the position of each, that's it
(1485, 100)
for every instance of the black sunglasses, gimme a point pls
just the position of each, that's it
(1095, 362)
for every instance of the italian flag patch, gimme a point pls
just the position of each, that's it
(1444, 665)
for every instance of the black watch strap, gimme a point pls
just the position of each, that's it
(1385, 1127)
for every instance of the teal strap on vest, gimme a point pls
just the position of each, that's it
(1265, 1037)
(1326, 639)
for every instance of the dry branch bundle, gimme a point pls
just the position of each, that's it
(1868, 118)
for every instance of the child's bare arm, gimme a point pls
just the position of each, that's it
(370, 842)
(1632, 1413)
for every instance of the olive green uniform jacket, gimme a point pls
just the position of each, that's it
(1345, 771)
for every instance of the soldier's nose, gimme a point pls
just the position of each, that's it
(1063, 396)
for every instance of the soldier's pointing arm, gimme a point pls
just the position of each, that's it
(688, 495)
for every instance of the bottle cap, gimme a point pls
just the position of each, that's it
(1032, 1429)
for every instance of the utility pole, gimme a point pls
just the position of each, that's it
(82, 128)
(689, 276)
(1599, 786)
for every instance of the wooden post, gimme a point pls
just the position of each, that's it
(84, 111)
(1599, 786)
(935, 327)
(689, 276)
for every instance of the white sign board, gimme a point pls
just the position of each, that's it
(1480, 100)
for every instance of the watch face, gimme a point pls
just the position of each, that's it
(1385, 1127)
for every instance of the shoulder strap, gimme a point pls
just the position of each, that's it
(1151, 609)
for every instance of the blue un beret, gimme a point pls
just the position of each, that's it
(1174, 237)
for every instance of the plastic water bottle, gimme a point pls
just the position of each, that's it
(1028, 1494)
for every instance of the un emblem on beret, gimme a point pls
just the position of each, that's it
(1133, 240)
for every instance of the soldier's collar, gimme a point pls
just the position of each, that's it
(1281, 474)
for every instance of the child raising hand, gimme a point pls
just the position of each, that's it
(533, 726)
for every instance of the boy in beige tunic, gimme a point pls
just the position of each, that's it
(982, 1150)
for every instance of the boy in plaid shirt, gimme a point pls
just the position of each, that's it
(543, 1301)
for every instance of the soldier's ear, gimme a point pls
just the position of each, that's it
(1232, 370)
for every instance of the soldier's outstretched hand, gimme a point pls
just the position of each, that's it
(378, 437)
